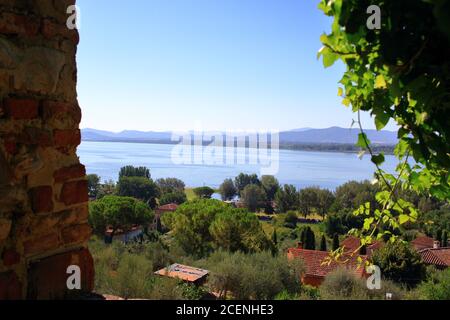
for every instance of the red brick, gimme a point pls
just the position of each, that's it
(10, 286)
(11, 23)
(35, 136)
(76, 234)
(67, 173)
(74, 192)
(41, 244)
(64, 138)
(59, 111)
(10, 257)
(21, 109)
(51, 29)
(10, 146)
(41, 199)
(48, 277)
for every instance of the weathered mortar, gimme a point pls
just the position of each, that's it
(43, 189)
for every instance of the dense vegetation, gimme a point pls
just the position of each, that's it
(245, 249)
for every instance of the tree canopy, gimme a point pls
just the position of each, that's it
(243, 180)
(201, 225)
(131, 171)
(141, 188)
(170, 185)
(253, 197)
(204, 192)
(286, 198)
(118, 213)
(227, 190)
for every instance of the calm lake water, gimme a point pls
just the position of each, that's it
(300, 168)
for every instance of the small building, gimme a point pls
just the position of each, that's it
(316, 270)
(352, 243)
(170, 207)
(189, 274)
(124, 236)
(437, 256)
(422, 242)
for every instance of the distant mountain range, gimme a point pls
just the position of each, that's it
(333, 135)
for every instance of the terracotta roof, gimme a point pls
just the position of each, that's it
(422, 242)
(352, 243)
(439, 256)
(183, 272)
(313, 260)
(168, 207)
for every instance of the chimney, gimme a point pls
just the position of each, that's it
(436, 245)
(299, 245)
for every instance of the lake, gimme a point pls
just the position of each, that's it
(300, 168)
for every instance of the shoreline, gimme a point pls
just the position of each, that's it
(307, 147)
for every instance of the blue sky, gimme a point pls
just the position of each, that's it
(158, 65)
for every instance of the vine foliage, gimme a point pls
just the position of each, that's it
(398, 73)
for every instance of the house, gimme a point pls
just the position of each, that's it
(170, 207)
(351, 244)
(185, 273)
(124, 236)
(422, 242)
(437, 256)
(316, 270)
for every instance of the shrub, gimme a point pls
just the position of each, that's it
(291, 217)
(400, 263)
(177, 197)
(253, 276)
(437, 287)
(342, 284)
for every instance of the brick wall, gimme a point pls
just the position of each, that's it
(43, 190)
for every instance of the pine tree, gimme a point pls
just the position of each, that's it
(323, 243)
(336, 242)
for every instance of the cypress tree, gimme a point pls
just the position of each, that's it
(274, 237)
(444, 239)
(303, 237)
(323, 243)
(310, 239)
(439, 235)
(336, 242)
(158, 225)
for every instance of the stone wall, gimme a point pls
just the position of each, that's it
(43, 189)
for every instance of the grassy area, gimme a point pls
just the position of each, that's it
(290, 234)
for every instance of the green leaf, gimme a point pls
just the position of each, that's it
(378, 159)
(329, 59)
(381, 120)
(346, 102)
(363, 141)
(340, 92)
(380, 83)
(367, 223)
(403, 218)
